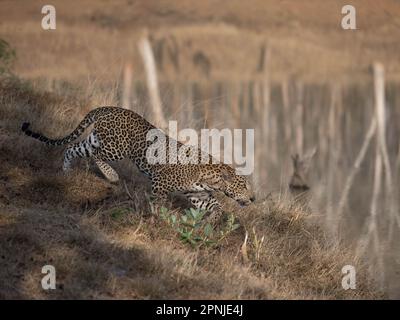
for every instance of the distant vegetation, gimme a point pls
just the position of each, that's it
(7, 57)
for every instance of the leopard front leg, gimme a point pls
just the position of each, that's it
(205, 201)
(159, 194)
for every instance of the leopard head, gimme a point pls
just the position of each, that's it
(234, 186)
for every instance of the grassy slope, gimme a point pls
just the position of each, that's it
(71, 223)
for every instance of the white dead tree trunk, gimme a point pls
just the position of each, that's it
(377, 128)
(332, 154)
(355, 169)
(382, 156)
(127, 87)
(299, 117)
(152, 82)
(379, 83)
(381, 162)
(265, 134)
(287, 113)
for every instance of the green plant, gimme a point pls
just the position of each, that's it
(118, 213)
(7, 57)
(194, 230)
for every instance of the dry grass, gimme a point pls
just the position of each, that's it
(105, 243)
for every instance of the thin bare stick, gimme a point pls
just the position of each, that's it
(127, 192)
(243, 249)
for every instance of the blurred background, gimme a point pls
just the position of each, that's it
(285, 68)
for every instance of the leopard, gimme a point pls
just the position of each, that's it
(118, 133)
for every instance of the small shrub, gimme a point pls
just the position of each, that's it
(119, 213)
(194, 230)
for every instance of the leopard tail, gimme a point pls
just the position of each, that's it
(86, 122)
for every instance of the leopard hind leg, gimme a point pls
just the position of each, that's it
(108, 172)
(83, 149)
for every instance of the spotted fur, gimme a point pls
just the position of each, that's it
(120, 133)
